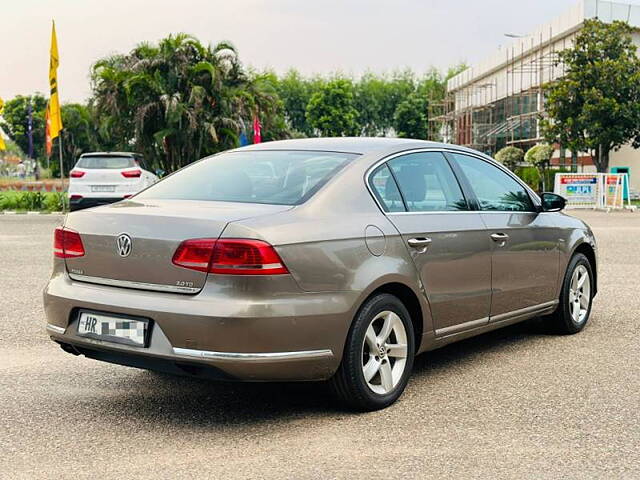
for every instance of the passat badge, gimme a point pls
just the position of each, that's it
(123, 245)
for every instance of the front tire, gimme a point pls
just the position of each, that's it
(576, 298)
(378, 355)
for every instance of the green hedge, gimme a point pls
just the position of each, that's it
(33, 201)
(531, 176)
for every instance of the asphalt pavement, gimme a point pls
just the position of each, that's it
(514, 403)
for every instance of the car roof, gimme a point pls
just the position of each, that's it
(110, 154)
(359, 145)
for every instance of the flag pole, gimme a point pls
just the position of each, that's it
(61, 169)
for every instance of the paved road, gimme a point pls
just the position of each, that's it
(515, 403)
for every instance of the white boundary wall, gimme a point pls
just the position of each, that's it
(593, 190)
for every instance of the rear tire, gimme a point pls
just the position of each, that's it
(378, 355)
(576, 298)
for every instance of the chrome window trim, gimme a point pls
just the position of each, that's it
(252, 357)
(154, 287)
(534, 196)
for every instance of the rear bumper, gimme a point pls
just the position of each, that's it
(297, 337)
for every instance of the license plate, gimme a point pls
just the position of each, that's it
(103, 188)
(113, 328)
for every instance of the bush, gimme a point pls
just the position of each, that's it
(510, 157)
(530, 176)
(33, 201)
(7, 202)
(56, 202)
(539, 155)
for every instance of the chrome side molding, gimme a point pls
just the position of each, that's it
(253, 357)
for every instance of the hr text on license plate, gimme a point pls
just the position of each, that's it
(103, 188)
(113, 329)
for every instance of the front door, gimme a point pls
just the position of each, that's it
(526, 256)
(447, 241)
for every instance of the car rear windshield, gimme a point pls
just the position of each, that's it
(271, 177)
(106, 162)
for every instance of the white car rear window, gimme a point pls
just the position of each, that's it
(106, 162)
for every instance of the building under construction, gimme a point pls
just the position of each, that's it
(498, 102)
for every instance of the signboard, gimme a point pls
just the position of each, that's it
(592, 190)
(579, 189)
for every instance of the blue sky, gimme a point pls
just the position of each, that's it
(349, 36)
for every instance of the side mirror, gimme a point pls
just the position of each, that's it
(552, 202)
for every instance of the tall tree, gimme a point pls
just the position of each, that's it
(295, 92)
(331, 110)
(369, 98)
(16, 119)
(595, 107)
(410, 117)
(78, 136)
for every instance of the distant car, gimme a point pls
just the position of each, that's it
(107, 177)
(317, 259)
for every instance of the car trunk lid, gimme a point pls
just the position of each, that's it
(155, 229)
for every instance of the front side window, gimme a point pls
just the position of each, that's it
(495, 190)
(270, 177)
(427, 183)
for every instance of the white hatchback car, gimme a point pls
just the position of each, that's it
(107, 177)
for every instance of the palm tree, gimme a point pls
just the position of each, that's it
(178, 100)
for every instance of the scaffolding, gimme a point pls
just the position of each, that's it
(502, 107)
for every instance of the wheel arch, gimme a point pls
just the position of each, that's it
(410, 300)
(588, 251)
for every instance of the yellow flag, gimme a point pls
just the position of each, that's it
(54, 103)
(2, 145)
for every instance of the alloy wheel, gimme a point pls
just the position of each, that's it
(384, 352)
(579, 294)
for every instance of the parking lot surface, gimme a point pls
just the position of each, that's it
(514, 403)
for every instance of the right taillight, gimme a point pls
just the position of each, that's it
(131, 173)
(67, 243)
(76, 173)
(230, 256)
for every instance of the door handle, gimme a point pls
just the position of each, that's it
(499, 237)
(419, 244)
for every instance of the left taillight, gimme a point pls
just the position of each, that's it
(76, 174)
(194, 254)
(67, 243)
(131, 173)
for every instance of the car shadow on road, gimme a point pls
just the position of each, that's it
(466, 350)
(159, 399)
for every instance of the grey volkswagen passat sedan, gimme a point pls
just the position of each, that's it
(336, 258)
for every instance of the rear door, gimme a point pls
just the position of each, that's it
(447, 241)
(525, 257)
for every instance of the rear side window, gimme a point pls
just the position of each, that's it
(386, 190)
(495, 190)
(106, 162)
(427, 183)
(271, 177)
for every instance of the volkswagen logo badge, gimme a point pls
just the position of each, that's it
(123, 245)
